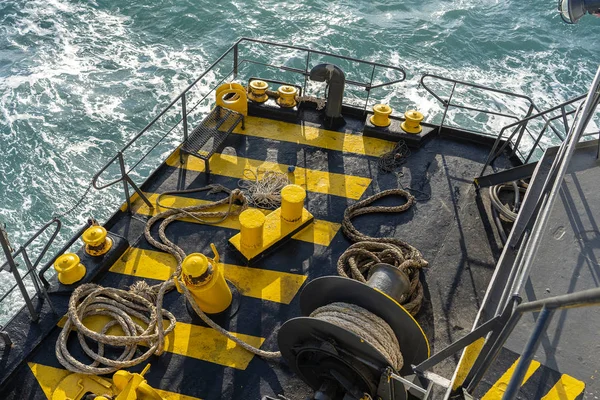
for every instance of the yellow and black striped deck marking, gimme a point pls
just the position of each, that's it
(320, 232)
(280, 287)
(540, 382)
(312, 136)
(312, 180)
(49, 378)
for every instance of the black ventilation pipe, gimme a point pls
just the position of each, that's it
(336, 81)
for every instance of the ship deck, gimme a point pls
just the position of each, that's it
(449, 224)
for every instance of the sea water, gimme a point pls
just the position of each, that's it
(78, 79)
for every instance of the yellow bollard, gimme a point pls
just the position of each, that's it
(292, 203)
(287, 96)
(252, 222)
(96, 240)
(381, 115)
(412, 124)
(258, 91)
(69, 269)
(205, 279)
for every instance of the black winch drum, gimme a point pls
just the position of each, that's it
(331, 289)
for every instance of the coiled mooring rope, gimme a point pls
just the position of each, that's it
(358, 259)
(263, 191)
(388, 162)
(123, 306)
(366, 325)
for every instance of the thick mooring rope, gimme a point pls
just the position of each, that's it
(367, 251)
(263, 191)
(142, 301)
(366, 325)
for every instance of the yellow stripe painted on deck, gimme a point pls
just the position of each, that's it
(320, 232)
(311, 136)
(467, 361)
(567, 388)
(194, 341)
(315, 181)
(263, 284)
(49, 378)
(497, 391)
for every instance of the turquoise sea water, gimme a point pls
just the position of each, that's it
(78, 78)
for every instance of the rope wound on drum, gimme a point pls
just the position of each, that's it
(358, 260)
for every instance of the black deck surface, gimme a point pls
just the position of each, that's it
(448, 224)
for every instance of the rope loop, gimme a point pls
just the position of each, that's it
(357, 261)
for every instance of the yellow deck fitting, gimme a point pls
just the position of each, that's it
(96, 240)
(412, 124)
(132, 386)
(258, 91)
(381, 115)
(287, 96)
(252, 222)
(232, 96)
(75, 386)
(278, 225)
(292, 202)
(69, 269)
(205, 280)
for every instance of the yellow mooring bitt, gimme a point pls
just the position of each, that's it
(412, 123)
(96, 240)
(69, 268)
(287, 96)
(258, 91)
(260, 233)
(381, 115)
(205, 279)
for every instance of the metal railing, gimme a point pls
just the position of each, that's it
(506, 309)
(180, 103)
(495, 152)
(11, 266)
(447, 103)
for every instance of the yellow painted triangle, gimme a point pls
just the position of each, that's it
(49, 378)
(259, 283)
(320, 232)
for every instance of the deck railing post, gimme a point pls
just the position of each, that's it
(235, 60)
(124, 179)
(13, 268)
(184, 116)
(447, 105)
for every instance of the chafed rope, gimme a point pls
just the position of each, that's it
(357, 261)
(143, 302)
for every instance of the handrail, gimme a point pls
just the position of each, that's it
(11, 266)
(124, 176)
(495, 152)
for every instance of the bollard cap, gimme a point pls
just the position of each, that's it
(414, 115)
(195, 265)
(382, 109)
(293, 194)
(94, 235)
(66, 262)
(287, 90)
(257, 84)
(252, 218)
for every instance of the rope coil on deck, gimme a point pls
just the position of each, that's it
(263, 192)
(368, 251)
(123, 306)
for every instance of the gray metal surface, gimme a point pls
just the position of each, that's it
(567, 262)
